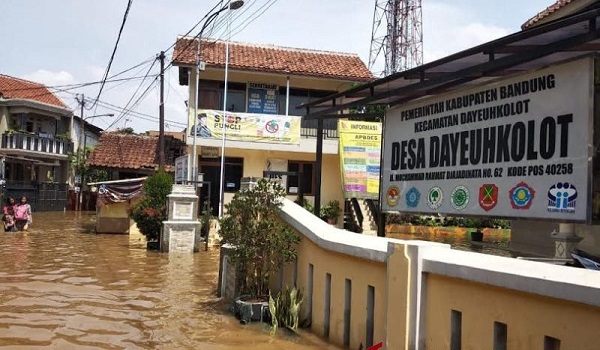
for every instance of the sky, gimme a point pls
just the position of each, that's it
(61, 42)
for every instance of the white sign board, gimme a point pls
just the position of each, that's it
(182, 168)
(515, 148)
(277, 165)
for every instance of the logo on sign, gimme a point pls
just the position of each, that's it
(488, 196)
(562, 197)
(460, 197)
(392, 196)
(435, 197)
(272, 126)
(412, 197)
(521, 196)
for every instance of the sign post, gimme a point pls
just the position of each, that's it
(515, 148)
(360, 153)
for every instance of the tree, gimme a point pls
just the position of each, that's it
(127, 131)
(151, 211)
(260, 239)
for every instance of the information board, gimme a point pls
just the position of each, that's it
(515, 148)
(262, 98)
(360, 155)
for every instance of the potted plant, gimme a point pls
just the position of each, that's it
(331, 211)
(151, 211)
(479, 225)
(260, 242)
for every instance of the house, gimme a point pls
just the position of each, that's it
(265, 80)
(92, 133)
(35, 127)
(130, 156)
(560, 9)
(179, 135)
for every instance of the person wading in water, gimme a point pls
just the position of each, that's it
(23, 215)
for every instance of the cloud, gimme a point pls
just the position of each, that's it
(50, 78)
(450, 29)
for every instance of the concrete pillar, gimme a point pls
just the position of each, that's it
(565, 241)
(181, 231)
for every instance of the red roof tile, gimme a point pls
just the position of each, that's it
(16, 88)
(124, 151)
(274, 59)
(559, 4)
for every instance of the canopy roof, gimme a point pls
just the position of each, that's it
(533, 48)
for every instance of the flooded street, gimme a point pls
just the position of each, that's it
(63, 287)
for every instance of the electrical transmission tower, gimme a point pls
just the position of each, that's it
(397, 32)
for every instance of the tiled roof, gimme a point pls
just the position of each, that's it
(274, 59)
(124, 151)
(11, 87)
(559, 4)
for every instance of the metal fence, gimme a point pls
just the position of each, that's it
(45, 196)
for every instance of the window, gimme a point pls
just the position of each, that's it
(307, 171)
(236, 101)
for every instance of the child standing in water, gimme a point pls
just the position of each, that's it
(9, 219)
(23, 214)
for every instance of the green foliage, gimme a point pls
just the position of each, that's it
(285, 309)
(450, 221)
(127, 131)
(151, 211)
(260, 239)
(331, 210)
(206, 217)
(305, 204)
(63, 137)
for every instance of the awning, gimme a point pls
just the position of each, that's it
(540, 46)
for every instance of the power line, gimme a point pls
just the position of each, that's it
(272, 2)
(140, 98)
(138, 89)
(112, 56)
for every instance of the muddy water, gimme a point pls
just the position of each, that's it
(62, 287)
(496, 242)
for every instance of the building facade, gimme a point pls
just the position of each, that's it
(35, 126)
(266, 80)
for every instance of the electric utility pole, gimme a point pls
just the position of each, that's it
(161, 112)
(80, 155)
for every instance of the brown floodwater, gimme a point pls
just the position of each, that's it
(64, 287)
(495, 242)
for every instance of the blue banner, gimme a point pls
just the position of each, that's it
(263, 98)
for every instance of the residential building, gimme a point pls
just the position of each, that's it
(131, 156)
(92, 133)
(266, 80)
(560, 9)
(180, 135)
(35, 127)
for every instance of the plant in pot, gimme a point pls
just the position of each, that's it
(151, 211)
(479, 225)
(331, 211)
(260, 243)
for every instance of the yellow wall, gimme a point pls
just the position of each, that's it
(361, 272)
(528, 317)
(331, 182)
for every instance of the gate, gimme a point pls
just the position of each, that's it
(50, 196)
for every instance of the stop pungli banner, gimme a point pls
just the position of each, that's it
(517, 148)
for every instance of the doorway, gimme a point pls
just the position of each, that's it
(211, 168)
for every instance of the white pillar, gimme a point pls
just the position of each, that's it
(565, 240)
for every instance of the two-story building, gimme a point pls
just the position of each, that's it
(265, 80)
(35, 127)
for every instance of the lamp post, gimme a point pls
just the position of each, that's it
(231, 5)
(81, 150)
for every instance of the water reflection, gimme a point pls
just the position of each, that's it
(495, 242)
(62, 287)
